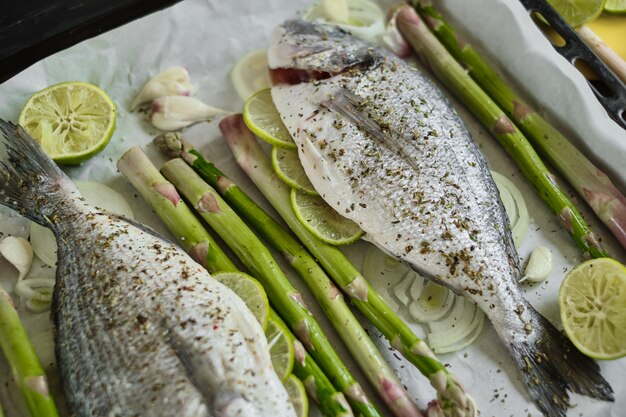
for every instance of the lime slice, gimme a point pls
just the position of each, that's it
(297, 395)
(72, 121)
(250, 74)
(615, 6)
(322, 220)
(250, 291)
(592, 300)
(578, 12)
(262, 118)
(281, 349)
(287, 166)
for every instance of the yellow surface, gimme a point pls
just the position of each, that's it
(612, 30)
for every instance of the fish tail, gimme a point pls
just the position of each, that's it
(30, 182)
(551, 365)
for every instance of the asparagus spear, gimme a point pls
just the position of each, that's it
(255, 163)
(317, 385)
(178, 218)
(593, 185)
(493, 118)
(283, 296)
(23, 361)
(158, 192)
(328, 296)
(181, 222)
(611, 58)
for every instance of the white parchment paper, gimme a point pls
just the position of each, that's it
(208, 37)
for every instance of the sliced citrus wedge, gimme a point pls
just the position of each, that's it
(72, 121)
(592, 300)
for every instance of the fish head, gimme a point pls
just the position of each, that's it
(301, 51)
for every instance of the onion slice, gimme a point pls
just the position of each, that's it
(443, 343)
(515, 207)
(383, 273)
(432, 304)
(18, 252)
(366, 20)
(251, 74)
(401, 290)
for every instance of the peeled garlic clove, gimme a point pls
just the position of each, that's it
(539, 265)
(171, 82)
(18, 252)
(176, 112)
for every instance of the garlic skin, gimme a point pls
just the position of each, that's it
(539, 265)
(18, 252)
(176, 112)
(171, 82)
(392, 39)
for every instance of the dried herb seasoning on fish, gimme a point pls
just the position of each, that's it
(427, 182)
(140, 328)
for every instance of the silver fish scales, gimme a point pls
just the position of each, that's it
(384, 148)
(140, 328)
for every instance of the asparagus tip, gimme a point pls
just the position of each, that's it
(169, 143)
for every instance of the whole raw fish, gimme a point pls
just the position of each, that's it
(140, 328)
(384, 148)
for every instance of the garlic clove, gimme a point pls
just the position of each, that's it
(171, 82)
(392, 39)
(18, 252)
(539, 265)
(176, 112)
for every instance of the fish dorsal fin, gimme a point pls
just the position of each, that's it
(140, 226)
(360, 112)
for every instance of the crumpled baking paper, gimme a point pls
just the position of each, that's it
(209, 36)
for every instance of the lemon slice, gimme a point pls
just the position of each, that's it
(615, 6)
(250, 291)
(72, 121)
(322, 220)
(578, 12)
(281, 348)
(592, 300)
(297, 395)
(287, 166)
(262, 118)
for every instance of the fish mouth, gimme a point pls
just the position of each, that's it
(292, 76)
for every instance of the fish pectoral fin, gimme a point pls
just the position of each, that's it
(365, 116)
(200, 369)
(222, 400)
(142, 227)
